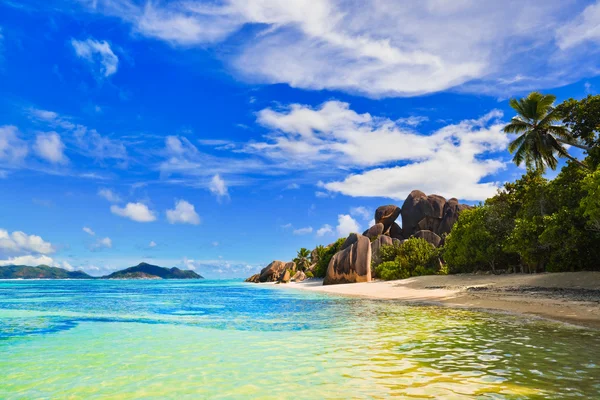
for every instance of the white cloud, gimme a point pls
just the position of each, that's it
(452, 161)
(183, 213)
(583, 28)
(324, 230)
(303, 231)
(50, 147)
(378, 47)
(98, 54)
(12, 149)
(293, 186)
(412, 120)
(27, 260)
(346, 225)
(138, 212)
(104, 243)
(218, 187)
(19, 242)
(89, 231)
(109, 195)
(152, 244)
(362, 212)
(287, 226)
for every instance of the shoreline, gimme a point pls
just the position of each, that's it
(569, 297)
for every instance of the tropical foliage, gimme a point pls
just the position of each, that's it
(302, 260)
(413, 257)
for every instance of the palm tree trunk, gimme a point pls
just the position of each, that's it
(578, 145)
(582, 165)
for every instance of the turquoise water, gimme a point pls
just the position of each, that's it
(226, 339)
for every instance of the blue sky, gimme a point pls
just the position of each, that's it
(222, 135)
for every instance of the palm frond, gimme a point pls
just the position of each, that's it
(516, 125)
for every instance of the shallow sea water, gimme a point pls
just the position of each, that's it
(227, 339)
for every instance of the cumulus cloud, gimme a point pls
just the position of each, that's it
(98, 54)
(109, 195)
(303, 231)
(152, 244)
(453, 160)
(380, 47)
(12, 149)
(50, 147)
(218, 187)
(19, 242)
(362, 212)
(324, 230)
(183, 213)
(28, 260)
(138, 212)
(89, 231)
(346, 225)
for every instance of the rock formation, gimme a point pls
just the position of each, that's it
(299, 276)
(285, 276)
(429, 236)
(351, 264)
(271, 272)
(386, 215)
(375, 247)
(374, 231)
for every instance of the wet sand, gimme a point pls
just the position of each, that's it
(572, 297)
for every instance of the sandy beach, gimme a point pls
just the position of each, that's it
(572, 297)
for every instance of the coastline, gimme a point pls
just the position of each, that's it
(571, 297)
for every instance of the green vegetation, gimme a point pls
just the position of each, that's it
(149, 271)
(326, 253)
(413, 257)
(39, 272)
(302, 259)
(533, 224)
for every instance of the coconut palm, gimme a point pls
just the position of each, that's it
(302, 259)
(541, 138)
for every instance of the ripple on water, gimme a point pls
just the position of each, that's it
(224, 339)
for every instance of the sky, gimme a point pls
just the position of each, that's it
(221, 135)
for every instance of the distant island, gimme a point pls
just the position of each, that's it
(149, 271)
(140, 271)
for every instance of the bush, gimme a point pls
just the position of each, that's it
(309, 274)
(325, 257)
(414, 257)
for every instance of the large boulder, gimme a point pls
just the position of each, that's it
(291, 266)
(374, 231)
(451, 211)
(285, 276)
(386, 215)
(422, 212)
(352, 264)
(429, 236)
(375, 247)
(271, 272)
(350, 240)
(254, 278)
(396, 232)
(299, 276)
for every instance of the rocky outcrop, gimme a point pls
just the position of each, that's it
(451, 211)
(374, 231)
(253, 279)
(285, 276)
(291, 266)
(375, 247)
(429, 236)
(396, 232)
(387, 215)
(271, 272)
(299, 276)
(351, 264)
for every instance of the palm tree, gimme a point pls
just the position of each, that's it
(301, 260)
(541, 139)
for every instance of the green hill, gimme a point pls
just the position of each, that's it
(39, 272)
(149, 271)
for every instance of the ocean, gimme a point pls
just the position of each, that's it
(93, 339)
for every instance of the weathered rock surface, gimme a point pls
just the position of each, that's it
(374, 231)
(291, 266)
(271, 272)
(352, 264)
(350, 240)
(431, 237)
(285, 276)
(451, 211)
(254, 278)
(299, 276)
(375, 247)
(396, 231)
(386, 215)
